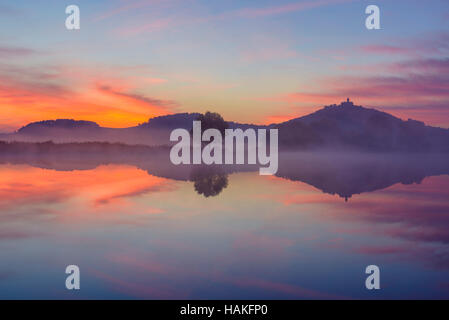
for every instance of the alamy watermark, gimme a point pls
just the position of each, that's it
(372, 22)
(254, 142)
(72, 282)
(373, 280)
(72, 22)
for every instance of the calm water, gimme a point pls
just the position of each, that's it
(138, 235)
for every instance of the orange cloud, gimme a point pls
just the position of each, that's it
(105, 97)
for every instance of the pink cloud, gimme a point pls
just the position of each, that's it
(11, 52)
(153, 26)
(385, 49)
(162, 23)
(154, 80)
(281, 9)
(130, 5)
(418, 86)
(435, 43)
(370, 250)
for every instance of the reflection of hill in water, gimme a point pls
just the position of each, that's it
(334, 173)
(348, 174)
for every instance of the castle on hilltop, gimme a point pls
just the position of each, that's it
(347, 103)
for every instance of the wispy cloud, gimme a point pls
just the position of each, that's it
(385, 49)
(152, 102)
(417, 86)
(165, 20)
(425, 91)
(430, 44)
(286, 8)
(11, 52)
(147, 27)
(108, 96)
(128, 6)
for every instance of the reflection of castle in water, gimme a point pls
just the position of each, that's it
(333, 173)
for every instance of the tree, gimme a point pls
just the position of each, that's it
(209, 181)
(213, 120)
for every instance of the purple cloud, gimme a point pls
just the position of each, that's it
(11, 52)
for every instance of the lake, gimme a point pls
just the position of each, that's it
(213, 233)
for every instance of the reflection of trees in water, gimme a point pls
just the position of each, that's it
(209, 180)
(345, 174)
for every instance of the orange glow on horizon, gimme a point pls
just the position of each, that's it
(80, 93)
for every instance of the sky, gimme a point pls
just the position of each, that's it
(253, 61)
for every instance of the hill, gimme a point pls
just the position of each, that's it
(347, 126)
(336, 127)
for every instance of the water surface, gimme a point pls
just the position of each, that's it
(224, 235)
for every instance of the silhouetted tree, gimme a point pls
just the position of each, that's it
(213, 120)
(209, 181)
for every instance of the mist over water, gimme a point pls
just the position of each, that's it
(140, 227)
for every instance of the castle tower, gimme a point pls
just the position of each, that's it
(348, 102)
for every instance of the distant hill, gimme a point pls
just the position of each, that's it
(66, 124)
(154, 132)
(347, 126)
(173, 121)
(336, 127)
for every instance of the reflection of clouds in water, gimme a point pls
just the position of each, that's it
(344, 174)
(31, 198)
(99, 186)
(154, 273)
(139, 286)
(416, 216)
(163, 187)
(353, 173)
(423, 218)
(269, 222)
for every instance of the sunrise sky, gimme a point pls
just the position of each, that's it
(252, 61)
